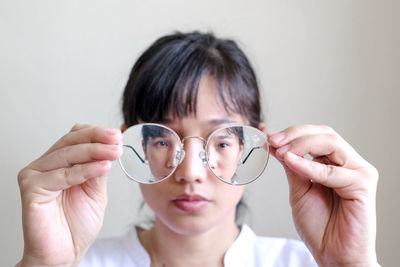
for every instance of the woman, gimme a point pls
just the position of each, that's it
(195, 84)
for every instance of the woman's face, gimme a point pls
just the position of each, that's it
(160, 151)
(225, 150)
(193, 200)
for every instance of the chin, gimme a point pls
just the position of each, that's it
(190, 226)
(194, 225)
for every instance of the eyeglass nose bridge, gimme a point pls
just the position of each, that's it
(202, 155)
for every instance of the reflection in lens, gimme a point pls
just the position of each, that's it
(237, 154)
(225, 149)
(150, 152)
(160, 150)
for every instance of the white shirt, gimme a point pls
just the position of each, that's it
(247, 250)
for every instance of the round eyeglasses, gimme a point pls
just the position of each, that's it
(235, 154)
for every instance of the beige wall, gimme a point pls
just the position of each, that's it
(325, 62)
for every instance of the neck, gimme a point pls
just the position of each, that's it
(169, 248)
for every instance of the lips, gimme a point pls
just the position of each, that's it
(190, 203)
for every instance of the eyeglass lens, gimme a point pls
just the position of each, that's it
(234, 154)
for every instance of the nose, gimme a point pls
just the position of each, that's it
(193, 167)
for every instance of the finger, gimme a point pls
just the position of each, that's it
(327, 175)
(272, 151)
(330, 145)
(80, 126)
(83, 133)
(64, 178)
(286, 136)
(77, 154)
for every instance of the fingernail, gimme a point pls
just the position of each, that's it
(277, 138)
(281, 151)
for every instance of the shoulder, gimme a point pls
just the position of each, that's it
(124, 250)
(267, 251)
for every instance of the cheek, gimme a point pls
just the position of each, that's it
(230, 195)
(159, 158)
(153, 195)
(152, 155)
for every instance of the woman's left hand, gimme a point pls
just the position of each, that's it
(332, 196)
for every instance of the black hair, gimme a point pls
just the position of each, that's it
(151, 131)
(237, 131)
(165, 79)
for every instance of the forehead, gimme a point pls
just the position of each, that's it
(209, 102)
(209, 106)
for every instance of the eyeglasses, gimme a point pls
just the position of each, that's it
(235, 154)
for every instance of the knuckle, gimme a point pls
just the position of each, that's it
(24, 176)
(327, 171)
(333, 138)
(375, 173)
(62, 155)
(98, 151)
(372, 174)
(96, 148)
(96, 132)
(76, 127)
(292, 130)
(64, 140)
(327, 129)
(79, 126)
(68, 173)
(62, 151)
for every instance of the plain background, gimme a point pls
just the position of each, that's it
(320, 62)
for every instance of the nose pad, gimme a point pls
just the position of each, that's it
(202, 156)
(234, 179)
(180, 155)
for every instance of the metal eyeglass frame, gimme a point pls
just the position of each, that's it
(202, 155)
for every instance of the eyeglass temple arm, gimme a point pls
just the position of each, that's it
(137, 154)
(251, 151)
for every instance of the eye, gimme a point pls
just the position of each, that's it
(223, 145)
(162, 143)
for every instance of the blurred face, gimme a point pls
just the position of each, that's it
(193, 200)
(225, 150)
(160, 151)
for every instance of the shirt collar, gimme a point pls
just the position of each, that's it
(240, 253)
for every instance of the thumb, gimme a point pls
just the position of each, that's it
(326, 174)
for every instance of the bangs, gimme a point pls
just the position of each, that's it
(165, 81)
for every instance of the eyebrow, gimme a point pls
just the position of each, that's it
(210, 123)
(224, 136)
(221, 121)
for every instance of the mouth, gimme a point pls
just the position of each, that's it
(190, 203)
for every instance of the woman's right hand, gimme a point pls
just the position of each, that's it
(64, 196)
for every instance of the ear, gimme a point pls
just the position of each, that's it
(123, 128)
(261, 127)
